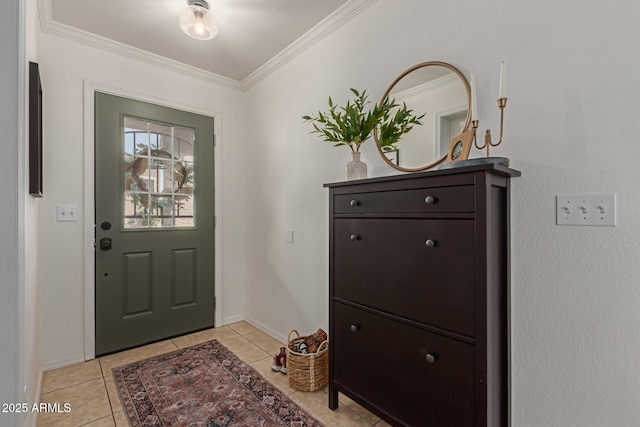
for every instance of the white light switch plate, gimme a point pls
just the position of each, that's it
(586, 209)
(67, 213)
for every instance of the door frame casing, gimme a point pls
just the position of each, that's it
(88, 204)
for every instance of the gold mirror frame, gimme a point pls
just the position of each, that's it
(464, 81)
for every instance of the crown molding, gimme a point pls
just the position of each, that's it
(428, 86)
(331, 23)
(49, 26)
(328, 25)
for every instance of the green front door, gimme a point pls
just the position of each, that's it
(154, 192)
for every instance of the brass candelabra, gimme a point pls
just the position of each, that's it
(502, 103)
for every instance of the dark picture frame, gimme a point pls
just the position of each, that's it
(35, 131)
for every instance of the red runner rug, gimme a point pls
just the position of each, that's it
(204, 385)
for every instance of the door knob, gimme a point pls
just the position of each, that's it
(354, 328)
(105, 244)
(431, 358)
(106, 225)
(430, 243)
(355, 237)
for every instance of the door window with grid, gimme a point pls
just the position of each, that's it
(159, 184)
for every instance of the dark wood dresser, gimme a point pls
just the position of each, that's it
(419, 296)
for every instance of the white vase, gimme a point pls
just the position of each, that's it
(356, 169)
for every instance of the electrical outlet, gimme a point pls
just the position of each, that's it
(586, 209)
(67, 213)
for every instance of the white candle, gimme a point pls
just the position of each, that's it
(503, 81)
(474, 98)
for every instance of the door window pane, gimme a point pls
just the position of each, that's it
(159, 182)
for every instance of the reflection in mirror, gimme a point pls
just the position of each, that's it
(442, 92)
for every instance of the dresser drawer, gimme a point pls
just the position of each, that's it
(386, 264)
(424, 200)
(386, 362)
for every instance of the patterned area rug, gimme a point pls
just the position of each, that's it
(204, 385)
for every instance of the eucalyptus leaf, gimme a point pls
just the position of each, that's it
(350, 124)
(392, 128)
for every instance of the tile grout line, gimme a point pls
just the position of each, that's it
(70, 385)
(98, 419)
(106, 394)
(109, 398)
(235, 334)
(104, 384)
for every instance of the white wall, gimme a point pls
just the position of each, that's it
(65, 65)
(20, 350)
(571, 126)
(32, 355)
(11, 226)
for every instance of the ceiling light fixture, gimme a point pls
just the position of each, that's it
(196, 21)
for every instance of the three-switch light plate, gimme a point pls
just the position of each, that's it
(586, 209)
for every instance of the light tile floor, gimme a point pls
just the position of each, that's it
(88, 387)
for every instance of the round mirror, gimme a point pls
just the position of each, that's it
(440, 92)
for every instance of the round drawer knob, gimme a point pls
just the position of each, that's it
(430, 243)
(354, 328)
(429, 200)
(431, 358)
(354, 203)
(355, 237)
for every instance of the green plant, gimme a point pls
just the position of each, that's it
(392, 127)
(352, 125)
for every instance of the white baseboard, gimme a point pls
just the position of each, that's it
(31, 419)
(267, 330)
(61, 363)
(32, 416)
(232, 319)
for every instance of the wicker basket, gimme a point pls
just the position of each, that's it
(307, 372)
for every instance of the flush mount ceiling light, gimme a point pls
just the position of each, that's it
(196, 21)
